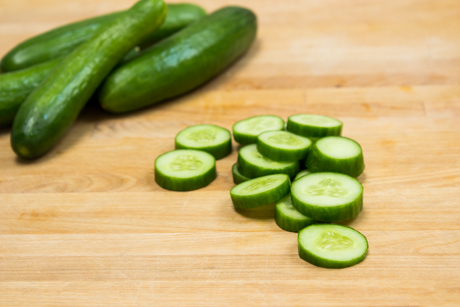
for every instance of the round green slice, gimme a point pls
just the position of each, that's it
(260, 191)
(301, 174)
(288, 218)
(237, 176)
(314, 126)
(336, 154)
(283, 146)
(246, 131)
(332, 246)
(185, 170)
(327, 197)
(210, 138)
(252, 164)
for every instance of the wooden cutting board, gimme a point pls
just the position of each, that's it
(86, 225)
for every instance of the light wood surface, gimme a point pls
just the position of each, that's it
(87, 226)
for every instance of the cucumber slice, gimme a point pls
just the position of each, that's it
(314, 126)
(260, 191)
(185, 170)
(246, 131)
(237, 176)
(283, 146)
(252, 164)
(288, 218)
(336, 154)
(332, 246)
(210, 138)
(301, 174)
(328, 197)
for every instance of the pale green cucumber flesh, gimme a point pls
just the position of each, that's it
(260, 191)
(327, 197)
(237, 176)
(336, 154)
(283, 146)
(185, 170)
(332, 246)
(252, 164)
(181, 62)
(288, 218)
(210, 138)
(314, 126)
(246, 131)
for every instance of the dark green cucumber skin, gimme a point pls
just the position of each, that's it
(53, 106)
(237, 176)
(254, 201)
(63, 40)
(281, 155)
(288, 223)
(185, 184)
(326, 263)
(17, 85)
(318, 162)
(181, 62)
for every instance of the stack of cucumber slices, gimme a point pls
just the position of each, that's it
(309, 150)
(324, 190)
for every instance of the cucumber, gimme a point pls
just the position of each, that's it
(210, 138)
(314, 126)
(288, 218)
(327, 197)
(252, 164)
(260, 191)
(53, 106)
(247, 130)
(237, 176)
(181, 62)
(332, 246)
(16, 86)
(63, 40)
(283, 146)
(336, 154)
(301, 174)
(185, 170)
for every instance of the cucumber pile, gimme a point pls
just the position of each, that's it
(324, 191)
(126, 60)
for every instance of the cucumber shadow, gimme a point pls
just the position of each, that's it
(260, 213)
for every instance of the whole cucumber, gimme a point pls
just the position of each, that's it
(17, 85)
(181, 62)
(61, 41)
(53, 106)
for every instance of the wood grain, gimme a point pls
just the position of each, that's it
(87, 226)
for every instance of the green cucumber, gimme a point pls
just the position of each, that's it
(210, 138)
(288, 218)
(252, 164)
(237, 176)
(327, 197)
(50, 110)
(332, 246)
(17, 85)
(181, 62)
(336, 154)
(185, 170)
(63, 40)
(301, 174)
(283, 146)
(247, 130)
(314, 126)
(260, 191)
